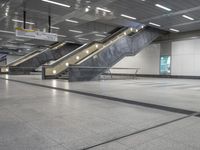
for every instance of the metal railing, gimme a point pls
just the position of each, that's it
(83, 73)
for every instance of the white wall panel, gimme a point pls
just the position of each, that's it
(148, 60)
(186, 57)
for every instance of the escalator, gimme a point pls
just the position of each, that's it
(37, 58)
(81, 64)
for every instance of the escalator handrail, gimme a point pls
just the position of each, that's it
(32, 54)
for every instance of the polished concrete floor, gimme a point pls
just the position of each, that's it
(35, 117)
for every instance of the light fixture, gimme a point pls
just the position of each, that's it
(102, 9)
(15, 20)
(87, 9)
(76, 31)
(72, 21)
(129, 17)
(57, 28)
(83, 39)
(125, 33)
(54, 71)
(31, 44)
(87, 51)
(69, 41)
(3, 31)
(77, 57)
(154, 24)
(12, 42)
(187, 17)
(56, 3)
(7, 69)
(61, 35)
(163, 7)
(97, 46)
(19, 40)
(100, 35)
(67, 64)
(175, 30)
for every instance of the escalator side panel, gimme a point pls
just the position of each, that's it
(42, 58)
(129, 45)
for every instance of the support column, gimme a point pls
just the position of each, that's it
(24, 19)
(49, 23)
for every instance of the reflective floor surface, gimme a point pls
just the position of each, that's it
(38, 118)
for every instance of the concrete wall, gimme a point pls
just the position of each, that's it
(186, 57)
(148, 60)
(11, 58)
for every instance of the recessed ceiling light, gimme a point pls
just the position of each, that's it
(175, 30)
(100, 35)
(83, 39)
(102, 9)
(69, 41)
(154, 24)
(12, 42)
(76, 31)
(72, 21)
(15, 20)
(10, 32)
(56, 3)
(129, 17)
(19, 39)
(57, 28)
(61, 35)
(163, 7)
(31, 44)
(187, 17)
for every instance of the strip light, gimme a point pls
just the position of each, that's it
(76, 31)
(83, 39)
(3, 31)
(163, 7)
(72, 21)
(19, 40)
(100, 35)
(102, 9)
(15, 20)
(129, 17)
(187, 17)
(29, 44)
(57, 28)
(61, 35)
(175, 30)
(154, 24)
(56, 3)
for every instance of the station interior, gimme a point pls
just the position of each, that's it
(99, 74)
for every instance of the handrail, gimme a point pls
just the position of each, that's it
(30, 54)
(96, 67)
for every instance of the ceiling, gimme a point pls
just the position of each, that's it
(93, 23)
